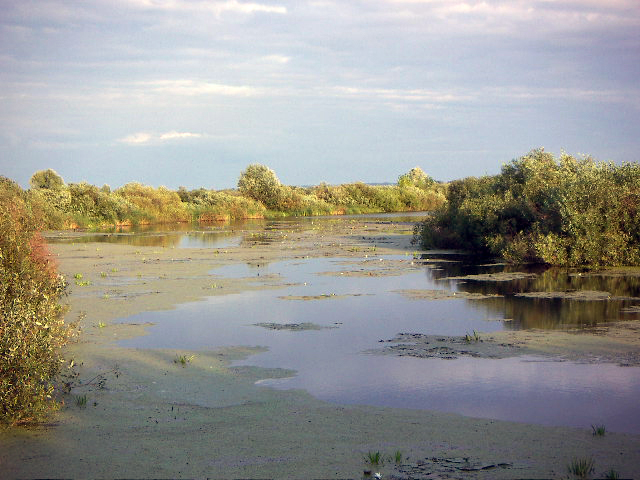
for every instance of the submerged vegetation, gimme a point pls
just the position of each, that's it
(32, 328)
(566, 211)
(259, 194)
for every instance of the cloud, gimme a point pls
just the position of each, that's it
(492, 17)
(173, 135)
(197, 87)
(217, 8)
(144, 138)
(276, 59)
(423, 96)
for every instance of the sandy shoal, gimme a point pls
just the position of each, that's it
(149, 417)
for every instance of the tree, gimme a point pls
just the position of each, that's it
(46, 179)
(261, 183)
(416, 178)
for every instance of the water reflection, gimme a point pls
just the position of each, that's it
(218, 234)
(188, 239)
(456, 272)
(515, 389)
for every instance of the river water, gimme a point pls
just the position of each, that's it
(353, 314)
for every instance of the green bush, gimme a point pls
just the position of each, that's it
(565, 212)
(207, 205)
(416, 178)
(91, 206)
(153, 205)
(261, 183)
(32, 328)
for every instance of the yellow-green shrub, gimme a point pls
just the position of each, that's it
(32, 328)
(153, 204)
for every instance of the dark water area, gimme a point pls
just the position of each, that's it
(352, 314)
(560, 309)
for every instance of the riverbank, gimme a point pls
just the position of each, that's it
(149, 415)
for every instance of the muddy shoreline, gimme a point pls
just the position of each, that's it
(149, 416)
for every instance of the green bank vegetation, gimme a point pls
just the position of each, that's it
(32, 328)
(259, 194)
(565, 211)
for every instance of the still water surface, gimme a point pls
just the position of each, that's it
(332, 363)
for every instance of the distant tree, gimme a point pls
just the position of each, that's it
(261, 183)
(46, 179)
(416, 178)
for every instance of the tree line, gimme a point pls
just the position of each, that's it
(259, 194)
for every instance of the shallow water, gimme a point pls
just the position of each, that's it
(176, 239)
(212, 235)
(359, 311)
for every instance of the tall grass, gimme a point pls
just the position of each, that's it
(32, 327)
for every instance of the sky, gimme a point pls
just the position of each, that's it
(191, 92)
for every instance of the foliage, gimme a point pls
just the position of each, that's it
(150, 204)
(261, 183)
(93, 206)
(565, 212)
(51, 205)
(416, 178)
(46, 179)
(207, 205)
(32, 329)
(259, 194)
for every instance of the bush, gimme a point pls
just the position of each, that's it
(261, 183)
(32, 328)
(207, 205)
(52, 206)
(150, 204)
(416, 178)
(565, 212)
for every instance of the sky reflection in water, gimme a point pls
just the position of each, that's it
(331, 365)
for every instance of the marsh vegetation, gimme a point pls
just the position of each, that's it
(566, 211)
(259, 194)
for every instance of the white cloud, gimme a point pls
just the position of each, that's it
(140, 138)
(403, 95)
(144, 138)
(217, 8)
(235, 6)
(173, 135)
(276, 59)
(197, 87)
(518, 16)
(403, 98)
